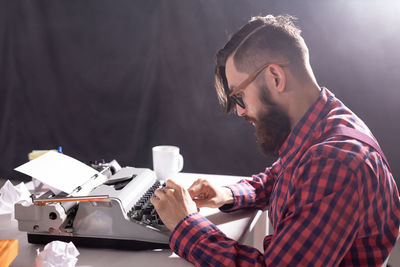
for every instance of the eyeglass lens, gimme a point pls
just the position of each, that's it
(238, 100)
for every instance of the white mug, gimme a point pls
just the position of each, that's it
(166, 162)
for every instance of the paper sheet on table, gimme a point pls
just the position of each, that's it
(58, 171)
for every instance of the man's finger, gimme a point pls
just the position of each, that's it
(155, 201)
(199, 196)
(172, 184)
(169, 191)
(196, 183)
(160, 192)
(196, 188)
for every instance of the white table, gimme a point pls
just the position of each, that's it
(240, 225)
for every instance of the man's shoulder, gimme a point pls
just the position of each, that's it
(342, 148)
(343, 152)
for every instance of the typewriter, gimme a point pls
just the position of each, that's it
(115, 214)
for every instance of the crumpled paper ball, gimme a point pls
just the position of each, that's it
(57, 254)
(10, 194)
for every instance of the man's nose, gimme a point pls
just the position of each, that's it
(240, 111)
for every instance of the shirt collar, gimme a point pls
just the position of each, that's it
(304, 128)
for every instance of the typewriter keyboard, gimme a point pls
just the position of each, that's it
(143, 211)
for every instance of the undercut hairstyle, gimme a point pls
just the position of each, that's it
(260, 41)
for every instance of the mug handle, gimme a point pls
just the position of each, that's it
(180, 162)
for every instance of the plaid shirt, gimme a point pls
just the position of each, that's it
(331, 203)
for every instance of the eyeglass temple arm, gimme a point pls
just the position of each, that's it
(253, 76)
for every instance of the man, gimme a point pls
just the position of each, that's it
(331, 197)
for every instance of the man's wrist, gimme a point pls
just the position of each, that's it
(228, 196)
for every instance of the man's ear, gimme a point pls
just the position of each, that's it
(276, 78)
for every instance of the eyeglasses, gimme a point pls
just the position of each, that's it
(238, 99)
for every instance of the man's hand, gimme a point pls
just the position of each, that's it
(173, 203)
(206, 194)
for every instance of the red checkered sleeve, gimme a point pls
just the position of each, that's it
(199, 241)
(251, 193)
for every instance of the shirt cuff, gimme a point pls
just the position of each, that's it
(228, 207)
(241, 197)
(188, 232)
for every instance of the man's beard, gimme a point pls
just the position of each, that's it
(272, 127)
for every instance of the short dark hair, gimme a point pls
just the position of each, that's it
(261, 40)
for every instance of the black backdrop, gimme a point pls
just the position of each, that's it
(110, 79)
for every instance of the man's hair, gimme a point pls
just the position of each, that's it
(260, 41)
